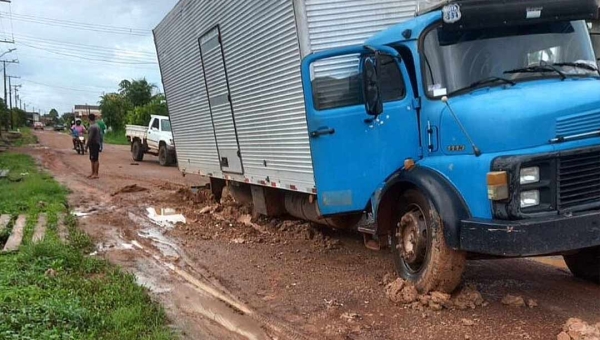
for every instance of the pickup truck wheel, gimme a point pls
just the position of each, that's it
(585, 264)
(163, 156)
(137, 153)
(419, 249)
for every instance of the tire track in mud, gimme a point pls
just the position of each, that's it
(214, 289)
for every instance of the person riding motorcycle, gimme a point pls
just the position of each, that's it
(78, 130)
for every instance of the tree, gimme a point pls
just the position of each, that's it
(141, 115)
(19, 117)
(67, 119)
(114, 109)
(53, 114)
(137, 92)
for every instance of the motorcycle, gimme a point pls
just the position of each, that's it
(79, 145)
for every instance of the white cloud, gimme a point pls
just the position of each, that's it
(42, 60)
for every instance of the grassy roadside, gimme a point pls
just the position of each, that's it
(53, 291)
(27, 137)
(116, 138)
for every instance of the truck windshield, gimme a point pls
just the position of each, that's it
(458, 60)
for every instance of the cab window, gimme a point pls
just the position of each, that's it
(155, 124)
(337, 82)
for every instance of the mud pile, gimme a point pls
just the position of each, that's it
(235, 222)
(576, 329)
(404, 293)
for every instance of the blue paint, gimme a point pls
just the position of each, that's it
(359, 155)
(353, 164)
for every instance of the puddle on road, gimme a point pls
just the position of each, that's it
(165, 217)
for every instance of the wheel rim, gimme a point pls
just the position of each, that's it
(412, 239)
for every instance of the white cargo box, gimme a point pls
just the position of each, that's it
(231, 73)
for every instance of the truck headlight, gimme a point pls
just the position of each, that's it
(529, 175)
(530, 198)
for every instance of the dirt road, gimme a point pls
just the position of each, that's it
(222, 277)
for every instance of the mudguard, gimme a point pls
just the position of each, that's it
(445, 198)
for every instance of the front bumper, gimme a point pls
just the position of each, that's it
(540, 236)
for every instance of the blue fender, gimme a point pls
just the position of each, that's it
(443, 195)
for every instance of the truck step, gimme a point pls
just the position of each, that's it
(40, 229)
(16, 237)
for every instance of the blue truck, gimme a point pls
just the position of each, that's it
(472, 128)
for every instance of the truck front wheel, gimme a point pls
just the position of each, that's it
(420, 252)
(137, 152)
(585, 264)
(163, 156)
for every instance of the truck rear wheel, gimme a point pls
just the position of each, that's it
(585, 264)
(137, 152)
(419, 248)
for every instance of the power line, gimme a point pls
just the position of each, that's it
(119, 55)
(76, 25)
(32, 39)
(70, 60)
(61, 87)
(93, 58)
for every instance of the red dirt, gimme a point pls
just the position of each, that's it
(310, 282)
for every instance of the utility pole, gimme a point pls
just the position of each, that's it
(12, 124)
(4, 62)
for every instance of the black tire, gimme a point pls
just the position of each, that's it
(428, 262)
(585, 264)
(163, 155)
(137, 152)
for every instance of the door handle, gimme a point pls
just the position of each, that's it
(322, 131)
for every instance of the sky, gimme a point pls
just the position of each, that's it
(70, 52)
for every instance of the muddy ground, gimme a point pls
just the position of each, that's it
(222, 276)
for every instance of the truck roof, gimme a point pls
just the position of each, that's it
(477, 14)
(394, 34)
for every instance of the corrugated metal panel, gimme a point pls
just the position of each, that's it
(219, 101)
(179, 56)
(263, 64)
(261, 51)
(336, 23)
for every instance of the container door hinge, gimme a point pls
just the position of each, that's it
(416, 103)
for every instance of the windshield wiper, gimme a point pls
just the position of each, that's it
(578, 65)
(485, 81)
(538, 68)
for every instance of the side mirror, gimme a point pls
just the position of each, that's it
(371, 89)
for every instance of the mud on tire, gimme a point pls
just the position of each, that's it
(420, 252)
(137, 153)
(585, 264)
(163, 156)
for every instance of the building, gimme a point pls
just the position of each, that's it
(83, 111)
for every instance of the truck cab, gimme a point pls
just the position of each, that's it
(473, 128)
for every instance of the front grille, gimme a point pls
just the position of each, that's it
(578, 179)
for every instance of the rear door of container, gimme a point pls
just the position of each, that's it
(219, 98)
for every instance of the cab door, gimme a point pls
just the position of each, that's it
(153, 136)
(353, 152)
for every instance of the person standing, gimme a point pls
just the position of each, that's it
(94, 139)
(102, 127)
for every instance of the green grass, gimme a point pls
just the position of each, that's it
(26, 139)
(116, 138)
(88, 298)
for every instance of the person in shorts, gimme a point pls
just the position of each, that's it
(93, 144)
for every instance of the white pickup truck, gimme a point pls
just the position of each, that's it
(155, 139)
